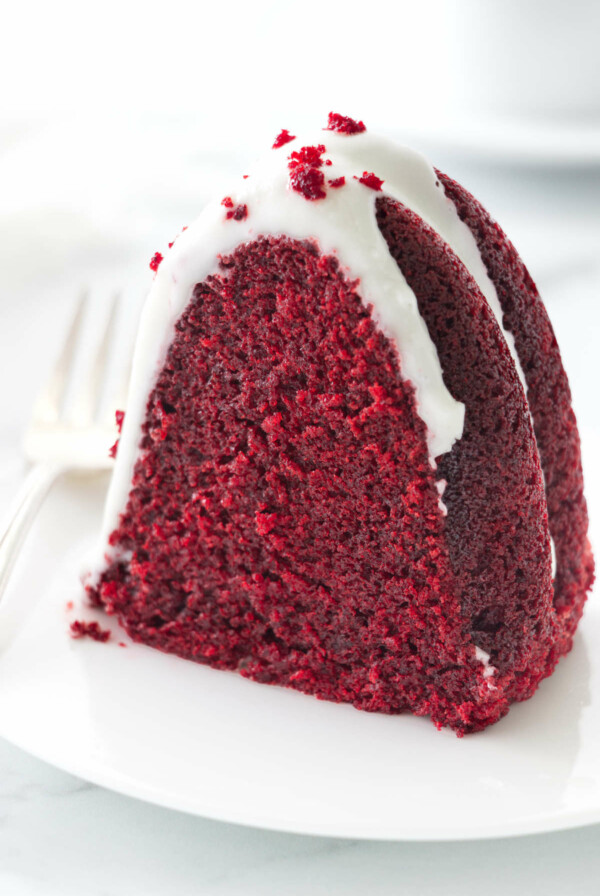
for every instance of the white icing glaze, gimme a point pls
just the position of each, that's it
(343, 225)
(482, 657)
(441, 484)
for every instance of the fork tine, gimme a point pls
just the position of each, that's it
(122, 389)
(106, 350)
(89, 392)
(117, 398)
(49, 401)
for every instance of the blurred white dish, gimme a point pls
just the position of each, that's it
(508, 139)
(533, 59)
(210, 743)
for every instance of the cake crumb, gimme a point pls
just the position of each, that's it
(239, 213)
(119, 417)
(282, 138)
(305, 175)
(370, 180)
(343, 124)
(155, 261)
(310, 155)
(80, 629)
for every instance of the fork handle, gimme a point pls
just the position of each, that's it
(28, 502)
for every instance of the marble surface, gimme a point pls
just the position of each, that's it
(59, 835)
(62, 837)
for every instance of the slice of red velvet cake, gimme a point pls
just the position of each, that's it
(349, 462)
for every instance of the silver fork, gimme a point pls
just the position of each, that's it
(60, 439)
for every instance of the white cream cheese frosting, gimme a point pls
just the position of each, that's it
(484, 658)
(344, 225)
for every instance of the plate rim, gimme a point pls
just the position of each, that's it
(115, 783)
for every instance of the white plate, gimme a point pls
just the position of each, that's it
(180, 735)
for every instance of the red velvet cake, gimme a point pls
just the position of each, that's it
(349, 463)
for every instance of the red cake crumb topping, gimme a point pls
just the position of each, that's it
(155, 262)
(328, 162)
(119, 417)
(310, 155)
(370, 180)
(239, 213)
(308, 181)
(283, 138)
(92, 630)
(69, 606)
(305, 176)
(344, 125)
(337, 182)
(227, 202)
